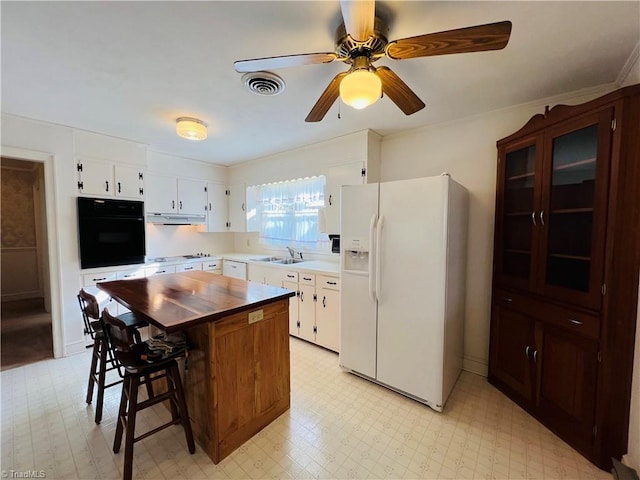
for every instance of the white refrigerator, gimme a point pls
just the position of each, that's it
(403, 273)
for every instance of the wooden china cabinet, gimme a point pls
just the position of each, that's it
(566, 267)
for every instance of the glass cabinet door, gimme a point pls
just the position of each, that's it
(575, 187)
(517, 222)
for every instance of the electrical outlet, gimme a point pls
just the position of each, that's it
(256, 316)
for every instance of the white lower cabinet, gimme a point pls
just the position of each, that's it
(328, 312)
(307, 312)
(164, 270)
(189, 267)
(89, 281)
(315, 309)
(234, 269)
(212, 266)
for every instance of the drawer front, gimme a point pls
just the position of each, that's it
(331, 283)
(130, 274)
(289, 276)
(189, 267)
(151, 271)
(307, 279)
(566, 318)
(90, 279)
(212, 265)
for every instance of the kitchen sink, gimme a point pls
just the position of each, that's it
(288, 261)
(266, 259)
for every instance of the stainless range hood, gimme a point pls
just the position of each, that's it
(175, 219)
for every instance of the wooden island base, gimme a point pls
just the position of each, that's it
(237, 379)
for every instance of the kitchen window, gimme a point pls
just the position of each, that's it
(287, 213)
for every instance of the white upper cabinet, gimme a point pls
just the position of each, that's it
(171, 195)
(217, 208)
(353, 173)
(129, 182)
(161, 194)
(237, 208)
(192, 197)
(107, 179)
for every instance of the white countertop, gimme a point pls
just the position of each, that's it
(315, 266)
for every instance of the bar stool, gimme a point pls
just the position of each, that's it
(102, 360)
(143, 366)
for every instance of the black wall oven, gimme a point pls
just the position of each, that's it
(111, 232)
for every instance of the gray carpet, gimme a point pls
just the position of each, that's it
(25, 330)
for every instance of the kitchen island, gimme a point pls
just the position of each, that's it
(237, 377)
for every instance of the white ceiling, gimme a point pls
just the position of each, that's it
(129, 69)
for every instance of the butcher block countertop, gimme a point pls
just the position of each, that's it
(182, 300)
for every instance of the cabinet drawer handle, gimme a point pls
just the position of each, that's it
(291, 276)
(332, 283)
(99, 279)
(533, 218)
(535, 356)
(330, 202)
(526, 351)
(542, 217)
(188, 268)
(308, 279)
(302, 296)
(575, 322)
(324, 301)
(119, 188)
(507, 299)
(173, 204)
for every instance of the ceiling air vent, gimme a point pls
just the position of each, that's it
(263, 83)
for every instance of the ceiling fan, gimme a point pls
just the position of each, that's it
(362, 40)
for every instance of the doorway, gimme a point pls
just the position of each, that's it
(25, 322)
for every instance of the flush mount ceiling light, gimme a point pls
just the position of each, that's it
(191, 128)
(360, 88)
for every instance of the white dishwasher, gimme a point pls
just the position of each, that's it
(232, 268)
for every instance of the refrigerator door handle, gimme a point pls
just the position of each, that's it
(372, 227)
(378, 258)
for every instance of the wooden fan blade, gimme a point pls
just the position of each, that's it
(327, 99)
(271, 63)
(492, 36)
(398, 91)
(358, 16)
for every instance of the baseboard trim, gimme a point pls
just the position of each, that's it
(475, 366)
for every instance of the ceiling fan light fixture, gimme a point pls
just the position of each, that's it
(191, 128)
(360, 88)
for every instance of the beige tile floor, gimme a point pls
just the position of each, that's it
(339, 426)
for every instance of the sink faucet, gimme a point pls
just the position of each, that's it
(292, 252)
